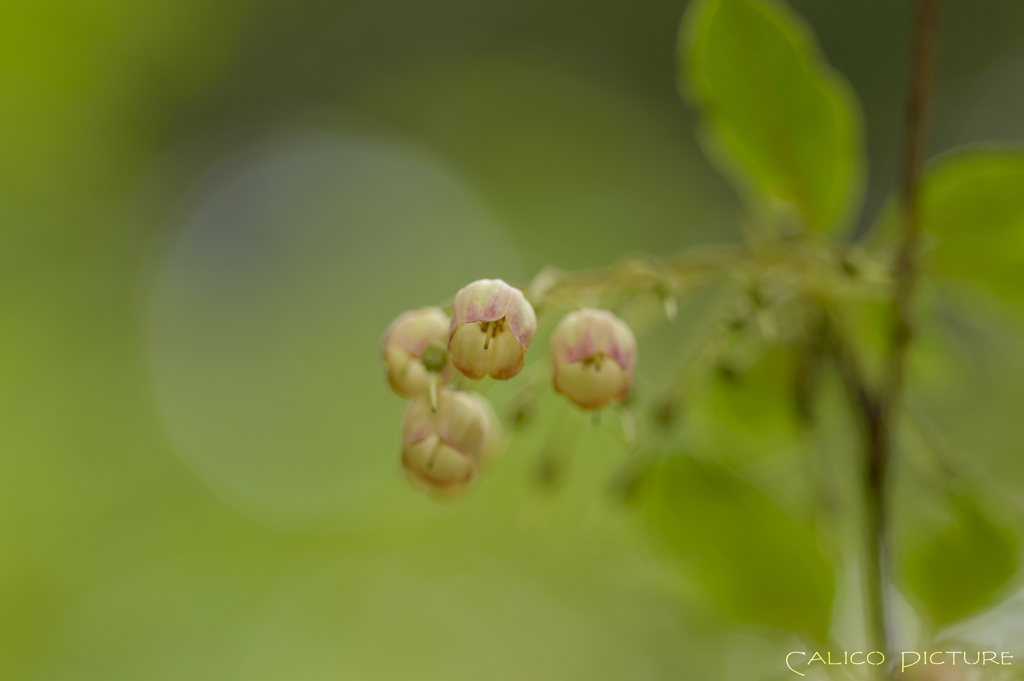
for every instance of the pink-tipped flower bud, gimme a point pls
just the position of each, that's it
(492, 325)
(413, 349)
(594, 355)
(443, 449)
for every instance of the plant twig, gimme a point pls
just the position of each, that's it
(915, 145)
(880, 412)
(865, 400)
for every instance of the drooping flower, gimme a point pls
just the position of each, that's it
(492, 325)
(594, 355)
(407, 339)
(444, 449)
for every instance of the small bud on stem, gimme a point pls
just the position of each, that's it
(413, 350)
(492, 325)
(443, 447)
(594, 355)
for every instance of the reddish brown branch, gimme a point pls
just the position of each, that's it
(880, 411)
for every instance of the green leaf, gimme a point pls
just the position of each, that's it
(972, 204)
(962, 568)
(781, 123)
(757, 564)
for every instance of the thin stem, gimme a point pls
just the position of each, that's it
(915, 145)
(866, 403)
(880, 412)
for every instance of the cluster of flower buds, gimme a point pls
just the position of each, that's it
(448, 434)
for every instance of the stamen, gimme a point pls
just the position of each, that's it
(433, 456)
(433, 391)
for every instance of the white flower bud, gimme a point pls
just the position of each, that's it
(492, 325)
(406, 340)
(443, 449)
(594, 355)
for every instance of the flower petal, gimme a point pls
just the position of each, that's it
(587, 332)
(488, 300)
(414, 330)
(590, 386)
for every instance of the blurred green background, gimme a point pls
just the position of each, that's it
(209, 213)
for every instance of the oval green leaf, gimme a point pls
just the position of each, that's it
(972, 205)
(962, 568)
(757, 564)
(777, 119)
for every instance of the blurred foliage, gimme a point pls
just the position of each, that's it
(972, 210)
(973, 205)
(756, 562)
(788, 129)
(748, 405)
(777, 117)
(964, 566)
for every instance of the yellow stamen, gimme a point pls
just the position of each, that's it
(433, 456)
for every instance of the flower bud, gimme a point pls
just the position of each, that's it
(407, 339)
(492, 325)
(443, 449)
(594, 354)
